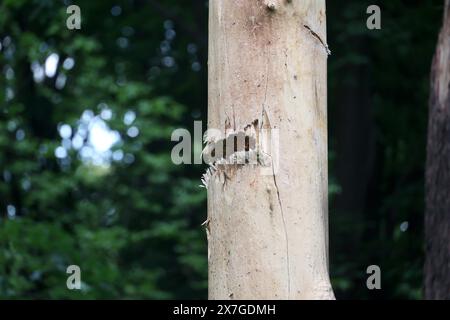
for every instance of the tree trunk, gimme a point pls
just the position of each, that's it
(437, 216)
(267, 221)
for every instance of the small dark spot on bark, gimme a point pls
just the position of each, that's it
(271, 7)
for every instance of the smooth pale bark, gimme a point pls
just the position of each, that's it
(437, 215)
(268, 233)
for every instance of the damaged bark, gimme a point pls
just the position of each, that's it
(267, 222)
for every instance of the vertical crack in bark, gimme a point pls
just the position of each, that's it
(288, 267)
(265, 118)
(315, 35)
(208, 234)
(267, 82)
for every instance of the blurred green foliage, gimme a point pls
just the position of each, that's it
(132, 223)
(129, 217)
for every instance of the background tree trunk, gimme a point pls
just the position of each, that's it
(268, 233)
(437, 216)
